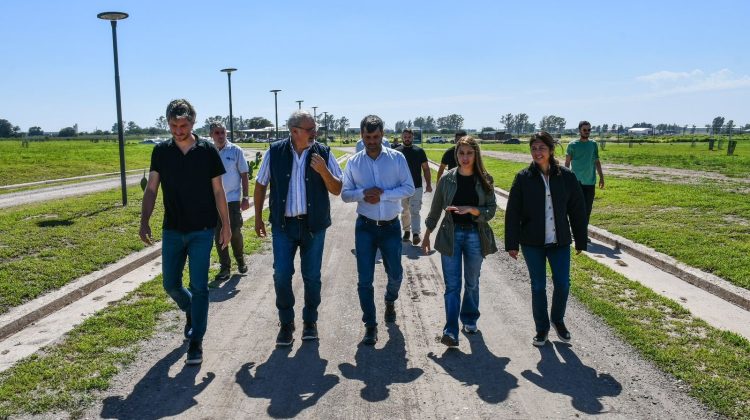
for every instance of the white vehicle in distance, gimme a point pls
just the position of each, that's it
(436, 139)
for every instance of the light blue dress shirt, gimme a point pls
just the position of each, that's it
(234, 165)
(389, 172)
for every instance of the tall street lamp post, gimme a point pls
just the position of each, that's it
(113, 17)
(299, 104)
(276, 110)
(315, 114)
(229, 71)
(325, 122)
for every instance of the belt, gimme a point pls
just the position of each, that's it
(378, 222)
(297, 217)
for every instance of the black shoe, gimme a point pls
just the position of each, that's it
(449, 340)
(470, 328)
(390, 312)
(242, 267)
(407, 234)
(540, 339)
(371, 336)
(188, 331)
(223, 274)
(286, 335)
(194, 353)
(416, 241)
(309, 331)
(562, 333)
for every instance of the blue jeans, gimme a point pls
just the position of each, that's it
(559, 260)
(368, 238)
(285, 244)
(195, 247)
(467, 250)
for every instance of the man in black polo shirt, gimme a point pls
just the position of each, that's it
(189, 170)
(416, 158)
(448, 160)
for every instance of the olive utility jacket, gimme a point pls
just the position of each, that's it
(444, 193)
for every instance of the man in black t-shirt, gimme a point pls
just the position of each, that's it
(416, 158)
(448, 160)
(189, 171)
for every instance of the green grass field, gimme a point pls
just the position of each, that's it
(45, 246)
(63, 159)
(697, 224)
(670, 155)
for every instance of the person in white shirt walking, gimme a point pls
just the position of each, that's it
(235, 183)
(377, 179)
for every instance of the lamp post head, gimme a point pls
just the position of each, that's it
(112, 16)
(275, 90)
(228, 70)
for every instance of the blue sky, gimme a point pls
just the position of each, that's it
(681, 62)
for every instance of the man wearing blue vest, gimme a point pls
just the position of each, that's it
(302, 172)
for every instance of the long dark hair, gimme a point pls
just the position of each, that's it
(479, 169)
(546, 138)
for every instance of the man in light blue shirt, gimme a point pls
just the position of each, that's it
(235, 183)
(377, 179)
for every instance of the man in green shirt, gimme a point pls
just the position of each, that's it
(583, 154)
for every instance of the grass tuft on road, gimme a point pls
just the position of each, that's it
(62, 378)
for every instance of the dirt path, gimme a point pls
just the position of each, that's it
(408, 374)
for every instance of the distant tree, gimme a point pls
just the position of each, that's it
(67, 132)
(605, 127)
(485, 129)
(419, 122)
(452, 122)
(7, 129)
(36, 131)
(522, 123)
(717, 123)
(692, 129)
(400, 125)
(409, 124)
(114, 128)
(258, 122)
(508, 120)
(551, 123)
(729, 126)
(161, 123)
(133, 128)
(343, 124)
(644, 125)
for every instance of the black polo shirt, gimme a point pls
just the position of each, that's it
(449, 158)
(415, 157)
(189, 203)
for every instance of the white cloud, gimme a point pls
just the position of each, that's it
(669, 82)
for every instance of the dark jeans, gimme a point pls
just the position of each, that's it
(285, 244)
(589, 191)
(196, 248)
(368, 238)
(237, 243)
(467, 251)
(559, 261)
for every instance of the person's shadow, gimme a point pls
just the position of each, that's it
(223, 291)
(157, 395)
(571, 377)
(378, 369)
(480, 368)
(292, 384)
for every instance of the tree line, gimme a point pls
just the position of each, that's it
(428, 124)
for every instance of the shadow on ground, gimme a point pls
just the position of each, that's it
(379, 368)
(571, 377)
(158, 395)
(481, 368)
(223, 291)
(292, 384)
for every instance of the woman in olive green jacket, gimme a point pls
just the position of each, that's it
(466, 196)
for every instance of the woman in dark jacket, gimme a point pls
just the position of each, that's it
(466, 199)
(545, 202)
